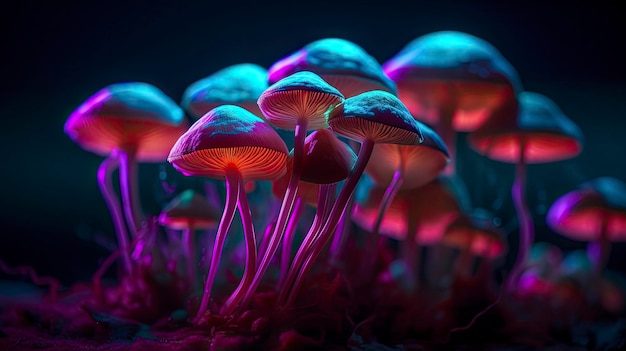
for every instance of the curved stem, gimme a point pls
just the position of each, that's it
(285, 209)
(265, 239)
(105, 172)
(189, 250)
(331, 224)
(341, 237)
(526, 232)
(232, 193)
(130, 190)
(324, 198)
(248, 232)
(285, 255)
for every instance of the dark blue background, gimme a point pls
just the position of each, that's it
(55, 55)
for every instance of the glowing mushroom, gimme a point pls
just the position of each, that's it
(231, 143)
(239, 84)
(341, 63)
(189, 212)
(128, 123)
(596, 213)
(452, 81)
(369, 118)
(298, 102)
(541, 133)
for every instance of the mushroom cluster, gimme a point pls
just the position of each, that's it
(368, 236)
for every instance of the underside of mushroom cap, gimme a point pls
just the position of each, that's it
(375, 115)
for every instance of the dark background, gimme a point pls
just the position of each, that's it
(54, 55)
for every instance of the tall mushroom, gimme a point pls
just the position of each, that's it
(541, 133)
(596, 213)
(128, 123)
(369, 118)
(298, 102)
(452, 80)
(230, 143)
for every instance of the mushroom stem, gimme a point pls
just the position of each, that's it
(526, 233)
(285, 209)
(269, 229)
(340, 238)
(130, 190)
(324, 198)
(250, 238)
(600, 249)
(285, 256)
(329, 227)
(189, 250)
(105, 171)
(232, 193)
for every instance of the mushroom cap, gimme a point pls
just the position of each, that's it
(300, 95)
(189, 209)
(327, 159)
(422, 163)
(477, 235)
(581, 213)
(239, 84)
(230, 136)
(134, 116)
(376, 115)
(546, 133)
(343, 64)
(434, 206)
(432, 66)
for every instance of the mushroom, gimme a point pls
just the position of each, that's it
(369, 118)
(230, 143)
(189, 212)
(239, 84)
(298, 102)
(540, 134)
(128, 123)
(341, 63)
(596, 213)
(452, 81)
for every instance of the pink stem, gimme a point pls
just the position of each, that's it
(250, 268)
(599, 250)
(526, 232)
(232, 193)
(105, 171)
(285, 256)
(285, 209)
(331, 224)
(265, 239)
(341, 237)
(323, 200)
(130, 190)
(189, 250)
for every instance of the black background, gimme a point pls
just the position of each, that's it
(55, 54)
